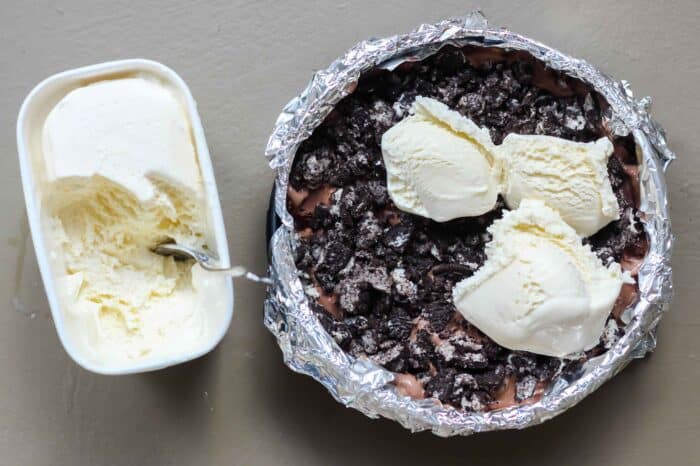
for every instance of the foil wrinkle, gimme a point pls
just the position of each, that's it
(360, 384)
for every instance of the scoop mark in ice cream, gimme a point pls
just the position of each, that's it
(120, 174)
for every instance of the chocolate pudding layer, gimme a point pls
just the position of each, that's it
(380, 280)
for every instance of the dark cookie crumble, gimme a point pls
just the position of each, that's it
(390, 274)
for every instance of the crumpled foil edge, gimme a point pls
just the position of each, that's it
(361, 384)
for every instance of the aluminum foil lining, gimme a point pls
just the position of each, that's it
(363, 385)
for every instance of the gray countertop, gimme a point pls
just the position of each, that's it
(240, 405)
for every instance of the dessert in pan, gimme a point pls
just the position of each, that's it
(469, 223)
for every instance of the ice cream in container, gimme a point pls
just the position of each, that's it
(114, 160)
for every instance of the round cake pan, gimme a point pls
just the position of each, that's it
(360, 384)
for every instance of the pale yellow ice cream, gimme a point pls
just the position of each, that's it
(540, 290)
(570, 177)
(120, 175)
(440, 164)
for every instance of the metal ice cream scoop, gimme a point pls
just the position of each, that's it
(206, 261)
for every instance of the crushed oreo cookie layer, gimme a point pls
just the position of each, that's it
(380, 280)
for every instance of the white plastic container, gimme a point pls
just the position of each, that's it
(32, 115)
